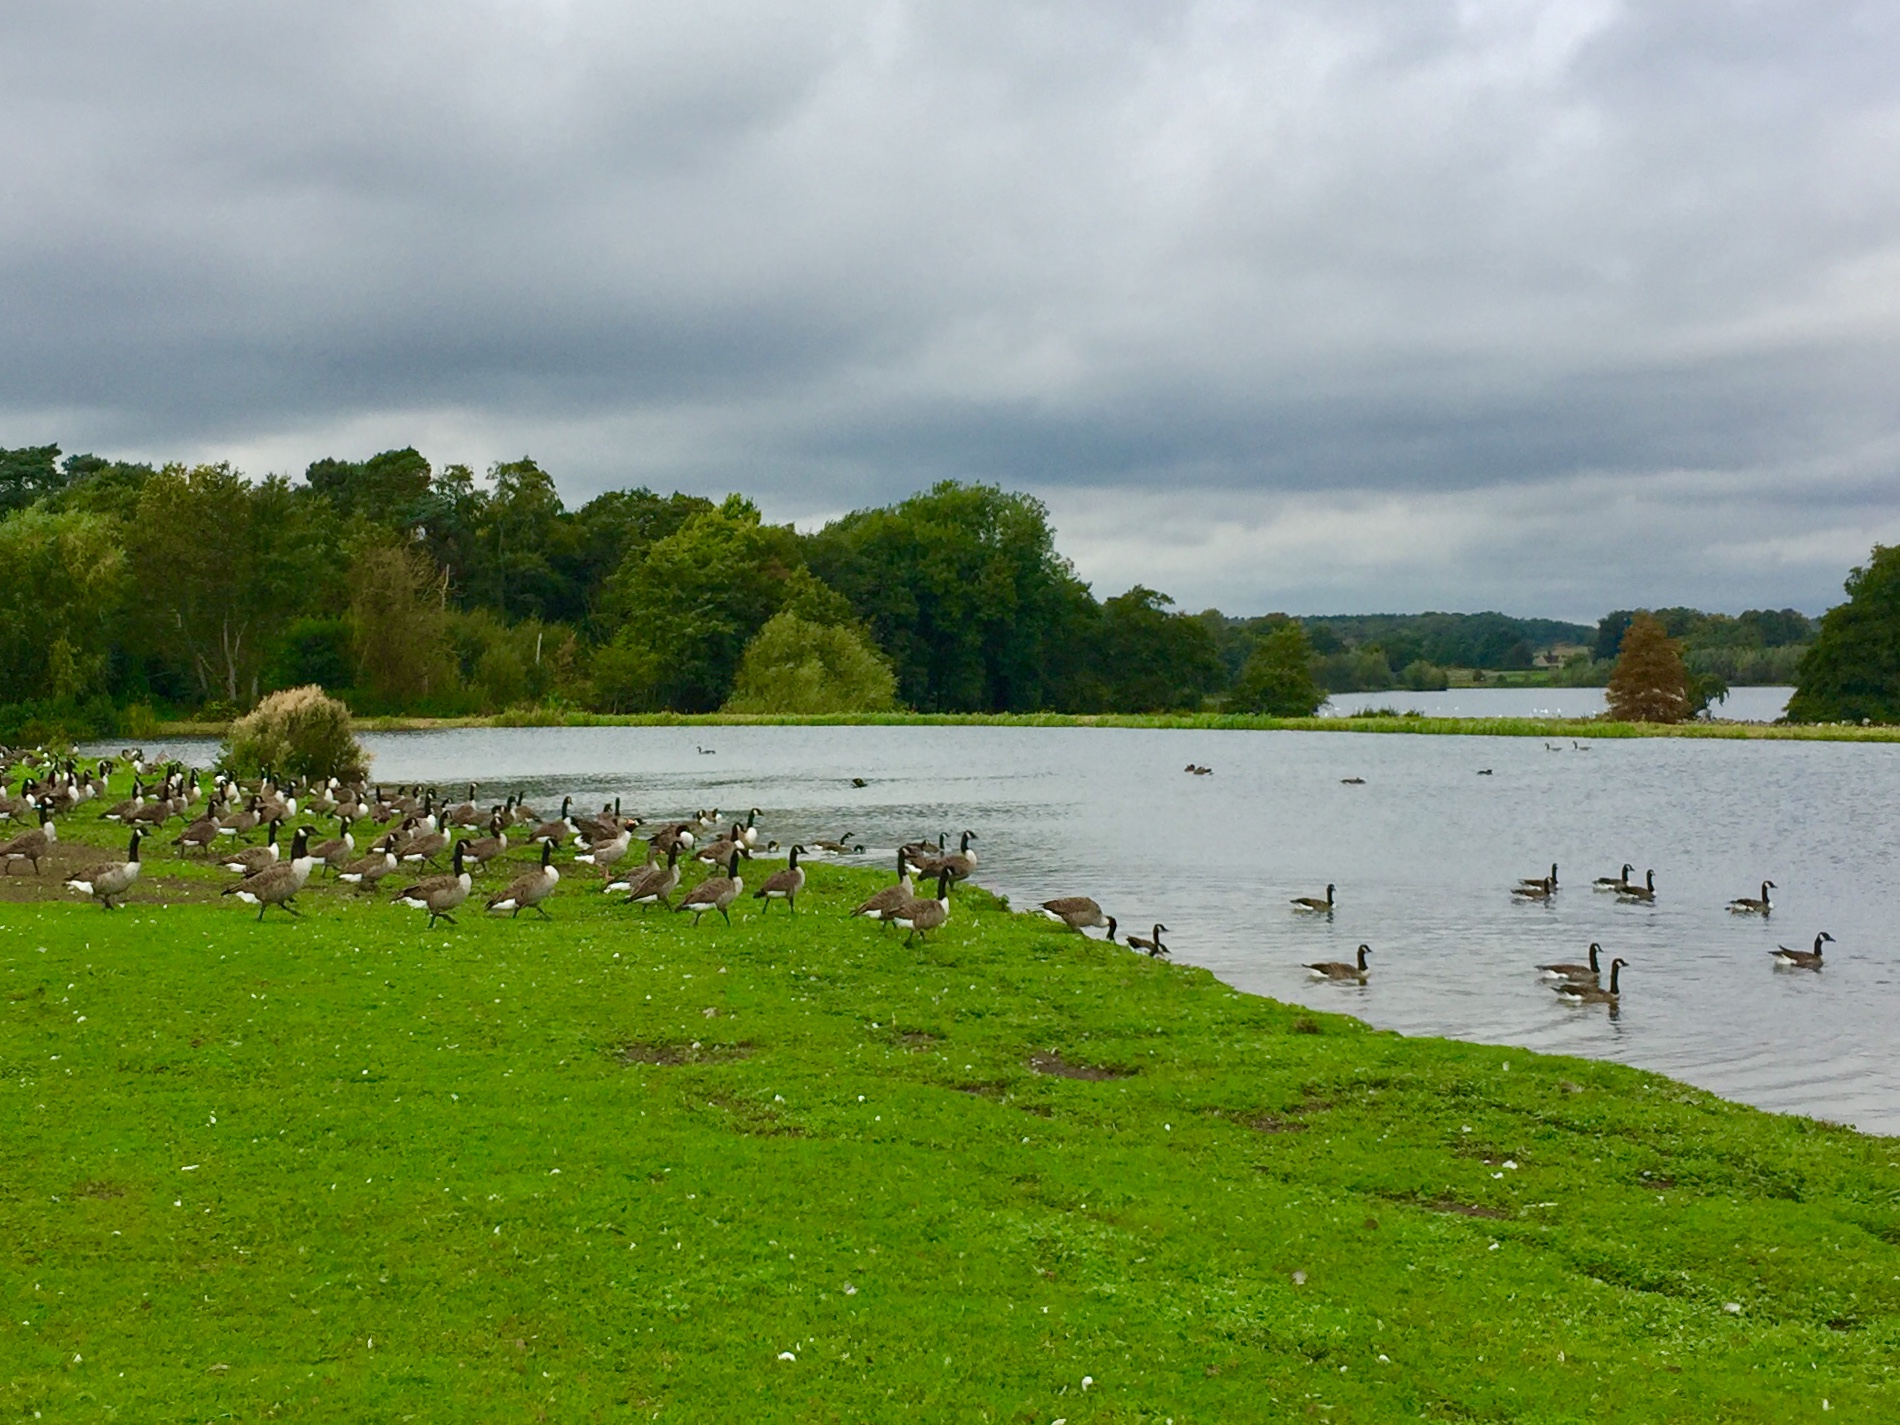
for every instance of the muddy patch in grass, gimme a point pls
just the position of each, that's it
(1055, 1066)
(643, 1052)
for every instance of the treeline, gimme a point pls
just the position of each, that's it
(132, 593)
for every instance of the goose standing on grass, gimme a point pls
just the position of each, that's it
(1646, 893)
(557, 830)
(252, 859)
(653, 884)
(530, 888)
(1078, 913)
(1340, 969)
(958, 863)
(425, 845)
(366, 871)
(1150, 944)
(278, 884)
(1589, 972)
(114, 878)
(31, 845)
(483, 849)
(886, 902)
(439, 895)
(335, 853)
(1314, 903)
(1745, 905)
(921, 915)
(715, 893)
(1802, 959)
(1535, 890)
(608, 850)
(1615, 883)
(784, 885)
(1579, 993)
(199, 835)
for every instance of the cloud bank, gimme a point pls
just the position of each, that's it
(1314, 305)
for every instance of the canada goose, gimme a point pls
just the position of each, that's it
(915, 851)
(784, 885)
(242, 823)
(606, 826)
(1578, 993)
(1535, 890)
(557, 830)
(1340, 969)
(1743, 905)
(1802, 959)
(114, 878)
(841, 847)
(606, 852)
(1615, 883)
(131, 804)
(483, 849)
(1076, 912)
(1540, 880)
(921, 915)
(467, 814)
(1576, 972)
(1484, 771)
(425, 845)
(717, 853)
(652, 885)
(200, 834)
(1150, 943)
(1352, 781)
(749, 833)
(278, 884)
(336, 852)
(707, 817)
(674, 833)
(530, 888)
(439, 894)
(958, 863)
(366, 871)
(715, 893)
(252, 859)
(706, 751)
(1645, 892)
(1314, 902)
(880, 906)
(31, 845)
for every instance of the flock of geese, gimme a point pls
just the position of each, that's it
(1578, 983)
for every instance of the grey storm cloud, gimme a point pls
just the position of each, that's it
(1314, 305)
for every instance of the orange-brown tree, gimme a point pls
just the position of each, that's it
(1650, 683)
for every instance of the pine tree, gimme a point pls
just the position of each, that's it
(1650, 683)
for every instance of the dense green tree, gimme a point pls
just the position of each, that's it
(1650, 683)
(795, 665)
(387, 489)
(963, 589)
(591, 544)
(1278, 679)
(399, 627)
(28, 474)
(1152, 660)
(688, 606)
(63, 584)
(514, 531)
(1852, 670)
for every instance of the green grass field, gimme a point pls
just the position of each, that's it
(614, 1167)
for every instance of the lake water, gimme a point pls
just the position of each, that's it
(1741, 705)
(1424, 854)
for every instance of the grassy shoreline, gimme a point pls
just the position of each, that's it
(609, 1165)
(1578, 728)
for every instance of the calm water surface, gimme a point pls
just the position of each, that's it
(1424, 855)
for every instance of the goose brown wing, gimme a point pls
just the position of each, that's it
(709, 891)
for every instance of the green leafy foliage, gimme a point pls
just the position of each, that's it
(794, 665)
(300, 732)
(1278, 679)
(1852, 671)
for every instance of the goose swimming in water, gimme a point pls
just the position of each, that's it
(1535, 890)
(1747, 905)
(1314, 903)
(1340, 969)
(1578, 993)
(1645, 892)
(1541, 880)
(1615, 883)
(1589, 972)
(1802, 959)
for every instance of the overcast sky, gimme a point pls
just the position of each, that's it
(1311, 305)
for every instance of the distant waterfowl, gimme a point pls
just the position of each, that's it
(1579, 993)
(920, 915)
(1314, 903)
(859, 782)
(784, 885)
(1536, 890)
(1352, 781)
(653, 884)
(530, 888)
(881, 905)
(1076, 912)
(1589, 972)
(1802, 959)
(1615, 883)
(114, 878)
(1340, 969)
(1747, 905)
(843, 846)
(1484, 771)
(439, 895)
(1645, 892)
(715, 893)
(706, 751)
(1551, 879)
(1151, 943)
(277, 885)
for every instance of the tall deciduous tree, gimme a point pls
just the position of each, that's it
(795, 665)
(62, 588)
(1852, 671)
(1278, 677)
(399, 626)
(1650, 683)
(1152, 660)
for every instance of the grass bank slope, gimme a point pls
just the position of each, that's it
(612, 1167)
